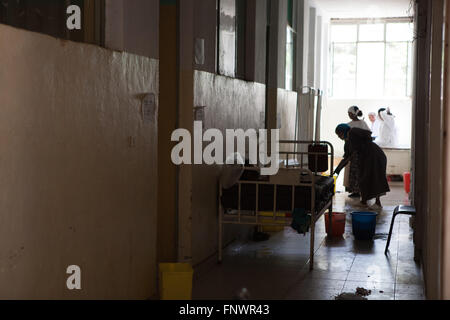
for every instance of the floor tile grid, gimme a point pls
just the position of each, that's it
(394, 243)
(327, 283)
(348, 273)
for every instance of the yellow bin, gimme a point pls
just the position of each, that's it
(272, 228)
(175, 281)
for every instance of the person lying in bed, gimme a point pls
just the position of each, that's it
(372, 163)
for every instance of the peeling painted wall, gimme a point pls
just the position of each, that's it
(78, 170)
(230, 104)
(287, 105)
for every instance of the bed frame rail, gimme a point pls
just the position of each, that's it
(298, 165)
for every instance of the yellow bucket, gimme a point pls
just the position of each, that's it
(175, 281)
(272, 228)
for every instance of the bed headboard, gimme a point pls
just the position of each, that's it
(300, 154)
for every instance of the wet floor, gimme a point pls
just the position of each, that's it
(279, 269)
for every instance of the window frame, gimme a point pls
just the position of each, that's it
(358, 23)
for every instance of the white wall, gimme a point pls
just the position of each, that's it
(335, 111)
(74, 190)
(287, 103)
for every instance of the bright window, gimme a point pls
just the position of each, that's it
(344, 68)
(344, 33)
(371, 32)
(370, 66)
(371, 60)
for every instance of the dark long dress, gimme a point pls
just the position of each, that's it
(352, 185)
(372, 164)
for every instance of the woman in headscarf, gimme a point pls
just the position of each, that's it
(355, 114)
(372, 163)
(351, 171)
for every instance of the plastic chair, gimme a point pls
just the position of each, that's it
(399, 210)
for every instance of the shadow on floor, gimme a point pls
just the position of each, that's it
(278, 268)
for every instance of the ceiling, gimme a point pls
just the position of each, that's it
(365, 8)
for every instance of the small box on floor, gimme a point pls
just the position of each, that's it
(272, 228)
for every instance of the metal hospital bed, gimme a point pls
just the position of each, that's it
(294, 164)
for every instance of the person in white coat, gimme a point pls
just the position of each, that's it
(387, 137)
(374, 124)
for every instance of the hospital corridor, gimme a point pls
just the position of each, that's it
(193, 150)
(278, 268)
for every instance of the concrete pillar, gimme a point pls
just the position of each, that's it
(176, 111)
(446, 175)
(435, 156)
(185, 120)
(420, 116)
(318, 54)
(167, 235)
(312, 47)
(256, 41)
(276, 59)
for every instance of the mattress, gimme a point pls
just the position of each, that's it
(324, 191)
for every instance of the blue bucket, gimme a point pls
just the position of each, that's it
(364, 224)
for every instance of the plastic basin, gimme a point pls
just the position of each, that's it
(364, 225)
(337, 224)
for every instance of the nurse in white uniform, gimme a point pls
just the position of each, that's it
(387, 137)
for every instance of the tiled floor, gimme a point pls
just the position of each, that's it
(278, 268)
